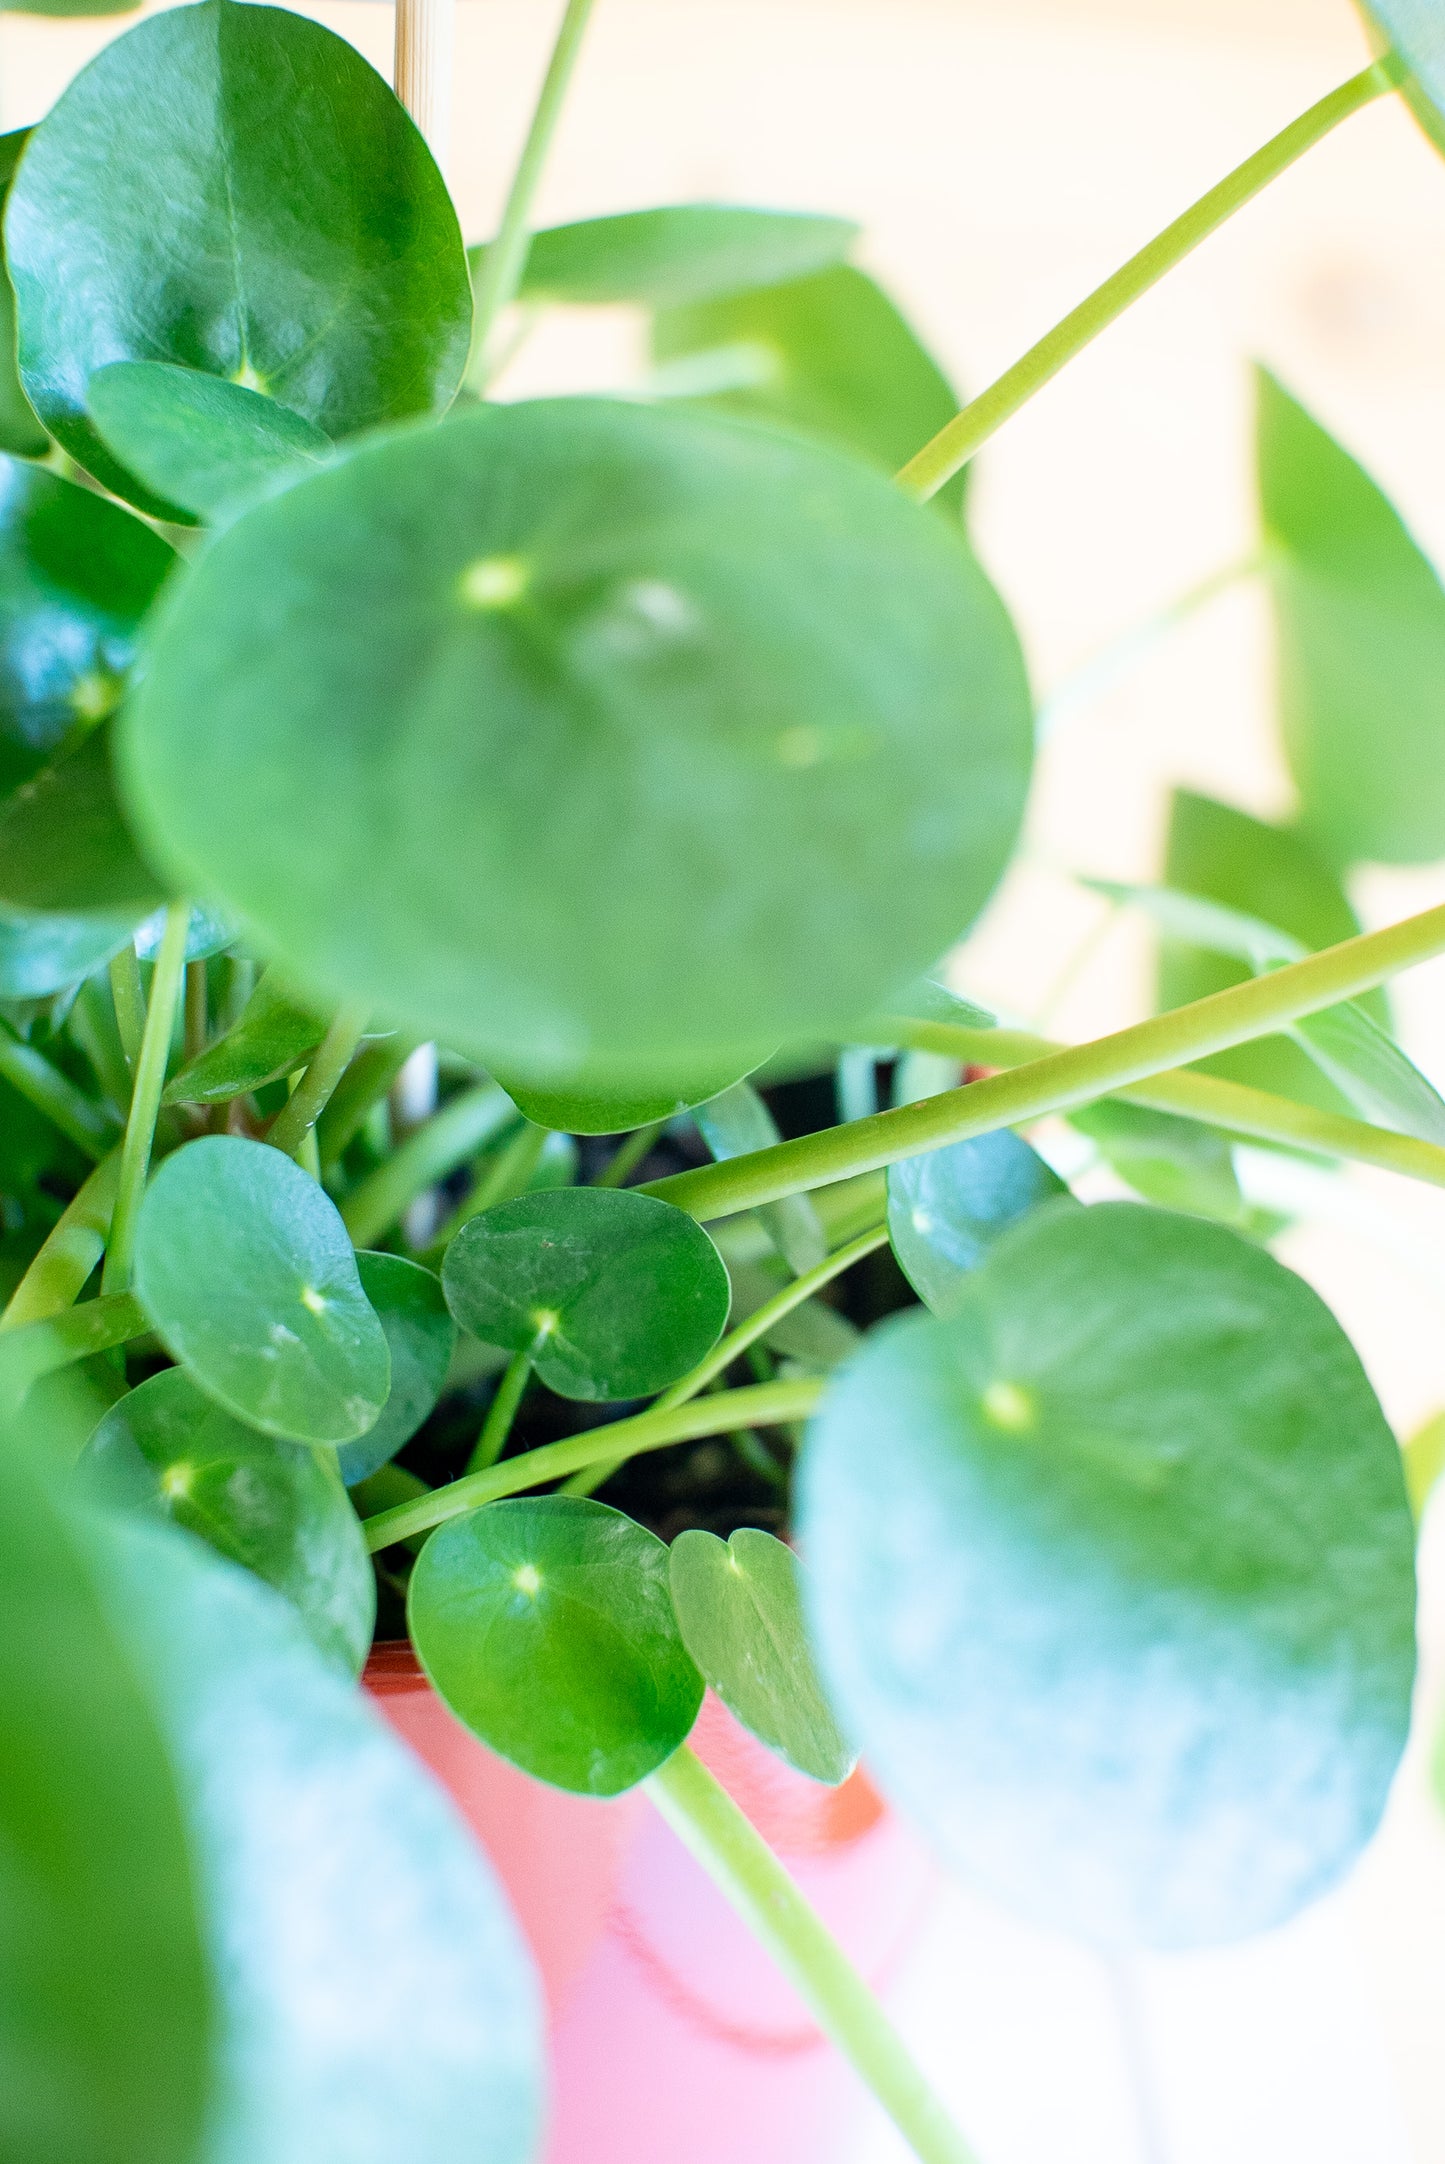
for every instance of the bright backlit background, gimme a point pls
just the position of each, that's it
(1003, 155)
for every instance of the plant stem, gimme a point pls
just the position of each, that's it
(628, 1155)
(500, 275)
(82, 1121)
(447, 1140)
(145, 1103)
(71, 1250)
(366, 1081)
(956, 444)
(129, 1002)
(1061, 1080)
(197, 1019)
(709, 1824)
(503, 1409)
(761, 1406)
(328, 1063)
(422, 68)
(506, 1174)
(60, 1340)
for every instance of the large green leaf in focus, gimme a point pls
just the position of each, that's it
(105, 2012)
(198, 440)
(948, 1207)
(624, 722)
(830, 355)
(1113, 1578)
(547, 1626)
(377, 2002)
(740, 1609)
(77, 575)
(270, 1505)
(676, 253)
(615, 1293)
(1359, 616)
(1415, 30)
(310, 246)
(246, 1273)
(421, 1337)
(20, 431)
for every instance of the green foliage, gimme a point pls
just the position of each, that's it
(421, 1337)
(269, 1505)
(65, 847)
(20, 431)
(311, 249)
(677, 253)
(615, 1294)
(1415, 30)
(737, 1121)
(547, 1626)
(945, 1210)
(739, 1607)
(1129, 1627)
(246, 1274)
(583, 1111)
(1174, 1162)
(199, 441)
(274, 1033)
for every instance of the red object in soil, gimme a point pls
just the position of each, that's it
(673, 2035)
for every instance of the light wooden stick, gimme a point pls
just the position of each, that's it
(425, 38)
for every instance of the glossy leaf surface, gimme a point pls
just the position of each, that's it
(420, 1335)
(678, 252)
(274, 1034)
(583, 1111)
(377, 2000)
(1129, 1625)
(1360, 643)
(65, 845)
(20, 431)
(311, 247)
(620, 1293)
(739, 1607)
(947, 1208)
(43, 953)
(248, 1277)
(106, 2011)
(198, 440)
(683, 686)
(547, 1626)
(269, 1505)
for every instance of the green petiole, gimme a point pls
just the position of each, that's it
(60, 1340)
(145, 1104)
(503, 1409)
(30, 1073)
(71, 1250)
(443, 1142)
(296, 1120)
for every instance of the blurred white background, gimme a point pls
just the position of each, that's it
(1003, 155)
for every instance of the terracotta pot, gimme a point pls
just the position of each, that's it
(673, 2036)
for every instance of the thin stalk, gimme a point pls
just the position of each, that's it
(500, 275)
(628, 1155)
(367, 1080)
(197, 1018)
(59, 1341)
(447, 1140)
(509, 1171)
(145, 1104)
(738, 1860)
(762, 1406)
(425, 38)
(503, 1409)
(328, 1063)
(129, 1001)
(1063, 1079)
(78, 1117)
(72, 1248)
(956, 444)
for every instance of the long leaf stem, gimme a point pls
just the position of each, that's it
(71, 1250)
(145, 1103)
(60, 1340)
(88, 1125)
(364, 1084)
(328, 1063)
(736, 1857)
(435, 1149)
(1061, 1080)
(503, 1409)
(955, 444)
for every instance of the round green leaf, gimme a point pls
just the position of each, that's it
(1113, 1578)
(739, 1607)
(311, 248)
(583, 1111)
(421, 1336)
(624, 1292)
(946, 1209)
(105, 2016)
(77, 575)
(642, 712)
(65, 846)
(269, 1505)
(675, 253)
(377, 2002)
(198, 440)
(246, 1273)
(547, 1626)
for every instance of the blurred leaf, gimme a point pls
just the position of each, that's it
(65, 847)
(20, 431)
(1416, 31)
(547, 1626)
(311, 248)
(733, 1124)
(1424, 1457)
(45, 953)
(209, 931)
(619, 1293)
(946, 1209)
(1175, 1162)
(248, 1278)
(677, 252)
(197, 440)
(1129, 1627)
(640, 707)
(269, 1505)
(1360, 636)
(740, 1610)
(828, 354)
(422, 1337)
(274, 1034)
(584, 1111)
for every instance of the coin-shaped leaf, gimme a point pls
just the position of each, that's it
(421, 1335)
(677, 252)
(246, 1273)
(739, 1607)
(619, 1293)
(642, 709)
(268, 1504)
(547, 1626)
(311, 248)
(947, 1208)
(1113, 1578)
(196, 440)
(376, 1999)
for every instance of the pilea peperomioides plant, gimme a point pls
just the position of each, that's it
(466, 869)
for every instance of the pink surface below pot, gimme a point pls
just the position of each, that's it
(673, 2036)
